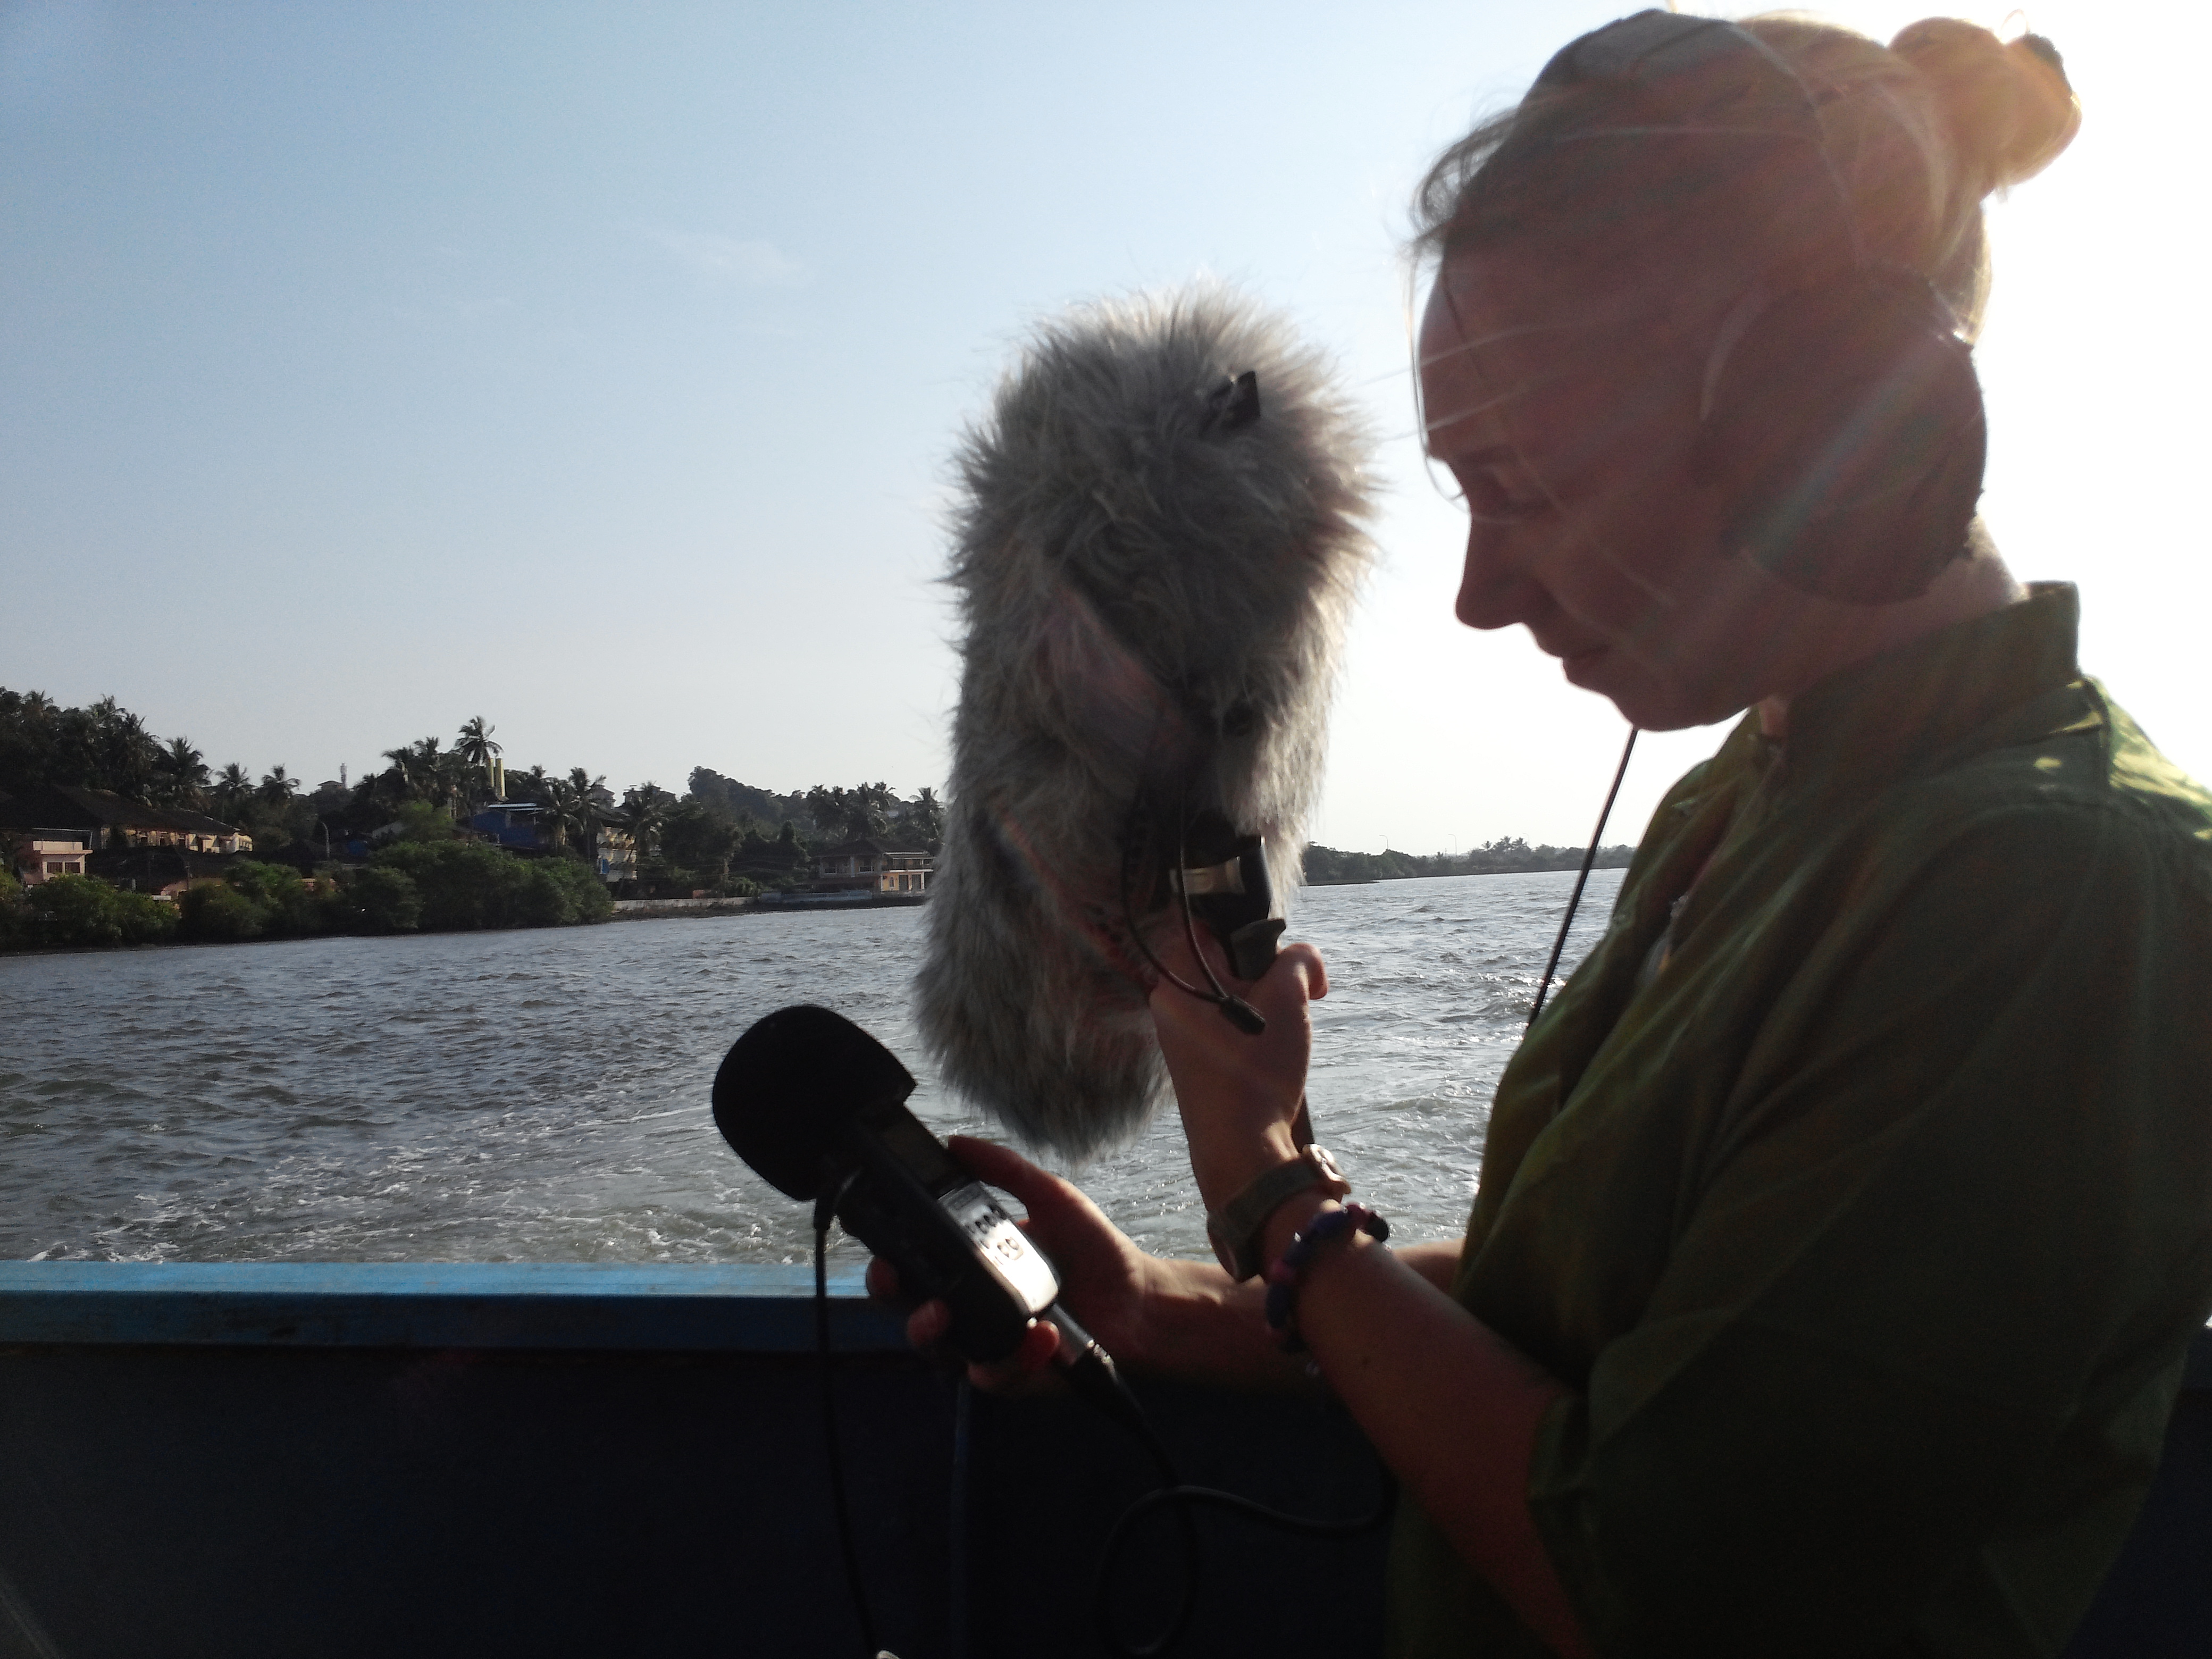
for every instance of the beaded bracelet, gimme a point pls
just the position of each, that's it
(1285, 1278)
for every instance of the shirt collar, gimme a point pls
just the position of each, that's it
(1926, 697)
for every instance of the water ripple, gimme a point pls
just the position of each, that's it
(541, 1096)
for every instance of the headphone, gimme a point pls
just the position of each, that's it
(1840, 414)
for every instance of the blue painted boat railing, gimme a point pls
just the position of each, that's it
(552, 1305)
(337, 1459)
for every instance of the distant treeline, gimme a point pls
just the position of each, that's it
(1325, 866)
(392, 851)
(429, 881)
(720, 828)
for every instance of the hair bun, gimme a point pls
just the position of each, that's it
(2009, 106)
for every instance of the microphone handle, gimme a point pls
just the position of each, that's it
(1252, 951)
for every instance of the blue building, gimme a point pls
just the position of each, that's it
(526, 827)
(519, 823)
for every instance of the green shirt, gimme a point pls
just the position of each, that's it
(1868, 1227)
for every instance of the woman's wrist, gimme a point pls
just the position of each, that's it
(1225, 1167)
(1201, 1326)
(1288, 1222)
(1333, 1231)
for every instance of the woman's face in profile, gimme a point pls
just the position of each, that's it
(1568, 420)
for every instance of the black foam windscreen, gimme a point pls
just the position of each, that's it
(787, 1085)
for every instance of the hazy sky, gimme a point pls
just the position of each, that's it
(594, 368)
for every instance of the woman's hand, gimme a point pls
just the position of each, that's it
(1239, 1095)
(1105, 1279)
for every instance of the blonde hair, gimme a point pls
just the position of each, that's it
(1917, 134)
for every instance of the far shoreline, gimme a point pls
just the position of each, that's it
(662, 910)
(15, 952)
(1460, 875)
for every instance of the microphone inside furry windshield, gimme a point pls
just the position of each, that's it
(1153, 597)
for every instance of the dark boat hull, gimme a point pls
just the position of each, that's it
(376, 1460)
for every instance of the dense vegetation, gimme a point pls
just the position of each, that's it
(1325, 866)
(437, 884)
(387, 854)
(80, 910)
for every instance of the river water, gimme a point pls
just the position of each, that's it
(541, 1096)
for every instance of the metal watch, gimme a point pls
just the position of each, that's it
(1235, 1227)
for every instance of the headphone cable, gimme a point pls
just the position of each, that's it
(1575, 900)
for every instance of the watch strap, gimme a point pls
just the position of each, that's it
(1236, 1228)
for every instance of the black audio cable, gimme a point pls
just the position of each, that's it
(1100, 1387)
(1187, 1500)
(1575, 899)
(825, 1209)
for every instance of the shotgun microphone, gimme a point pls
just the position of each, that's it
(816, 1108)
(1158, 538)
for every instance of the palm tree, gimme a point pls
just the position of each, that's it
(575, 804)
(570, 818)
(454, 779)
(184, 773)
(124, 752)
(413, 771)
(533, 785)
(396, 783)
(278, 788)
(233, 789)
(476, 747)
(645, 809)
(848, 814)
(926, 819)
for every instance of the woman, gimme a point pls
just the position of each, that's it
(1844, 1221)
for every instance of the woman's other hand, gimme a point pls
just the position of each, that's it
(1103, 1278)
(1239, 1095)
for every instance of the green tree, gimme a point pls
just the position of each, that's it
(102, 746)
(645, 808)
(477, 751)
(849, 814)
(233, 789)
(466, 884)
(419, 820)
(379, 900)
(121, 751)
(215, 911)
(27, 740)
(454, 783)
(415, 773)
(531, 785)
(701, 839)
(85, 910)
(15, 916)
(925, 819)
(576, 801)
(475, 745)
(182, 773)
(287, 904)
